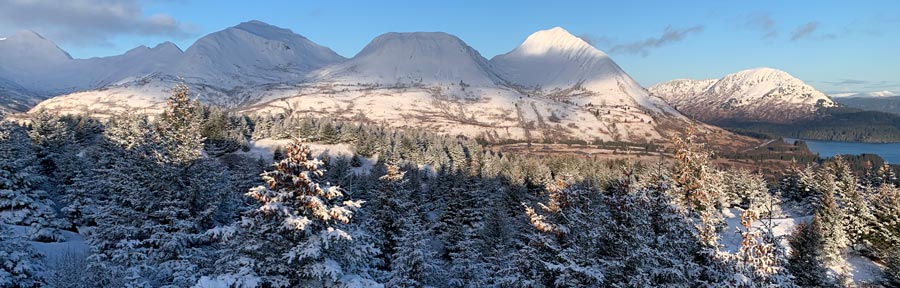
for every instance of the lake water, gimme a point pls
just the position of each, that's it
(889, 151)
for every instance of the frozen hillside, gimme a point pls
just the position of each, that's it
(249, 54)
(755, 95)
(554, 87)
(15, 97)
(252, 53)
(414, 58)
(27, 57)
(558, 64)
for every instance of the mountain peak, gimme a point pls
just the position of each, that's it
(28, 34)
(167, 46)
(763, 71)
(415, 57)
(754, 95)
(555, 39)
(28, 44)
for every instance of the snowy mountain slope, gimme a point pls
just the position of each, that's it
(436, 81)
(557, 64)
(427, 80)
(252, 53)
(755, 95)
(221, 65)
(15, 98)
(34, 69)
(414, 58)
(26, 57)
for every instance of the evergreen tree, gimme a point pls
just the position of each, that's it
(298, 236)
(20, 265)
(180, 128)
(22, 202)
(759, 258)
(835, 241)
(805, 261)
(414, 263)
(389, 201)
(884, 236)
(892, 268)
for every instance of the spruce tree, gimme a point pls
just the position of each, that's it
(180, 127)
(20, 265)
(298, 236)
(22, 201)
(805, 260)
(835, 241)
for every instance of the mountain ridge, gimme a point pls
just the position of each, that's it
(763, 94)
(431, 80)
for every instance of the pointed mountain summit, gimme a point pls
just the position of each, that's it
(561, 65)
(414, 58)
(753, 95)
(27, 45)
(252, 53)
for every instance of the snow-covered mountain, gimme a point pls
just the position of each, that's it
(754, 95)
(25, 59)
(252, 53)
(436, 81)
(15, 98)
(414, 58)
(554, 86)
(34, 69)
(873, 94)
(558, 64)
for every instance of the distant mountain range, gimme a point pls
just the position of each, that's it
(553, 86)
(888, 104)
(757, 95)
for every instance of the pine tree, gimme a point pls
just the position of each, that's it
(759, 257)
(858, 218)
(22, 202)
(892, 268)
(413, 264)
(698, 187)
(887, 176)
(176, 205)
(805, 261)
(832, 219)
(20, 265)
(884, 236)
(180, 128)
(297, 236)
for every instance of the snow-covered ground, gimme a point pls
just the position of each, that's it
(862, 269)
(74, 248)
(265, 149)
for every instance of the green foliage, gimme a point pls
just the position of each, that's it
(834, 124)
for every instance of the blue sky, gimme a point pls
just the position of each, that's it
(833, 45)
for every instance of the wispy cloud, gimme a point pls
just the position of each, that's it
(804, 30)
(642, 47)
(763, 22)
(87, 22)
(808, 30)
(845, 82)
(857, 84)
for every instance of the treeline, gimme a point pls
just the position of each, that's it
(173, 203)
(832, 124)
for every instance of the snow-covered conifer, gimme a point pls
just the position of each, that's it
(297, 236)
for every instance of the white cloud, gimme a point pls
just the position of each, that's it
(86, 22)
